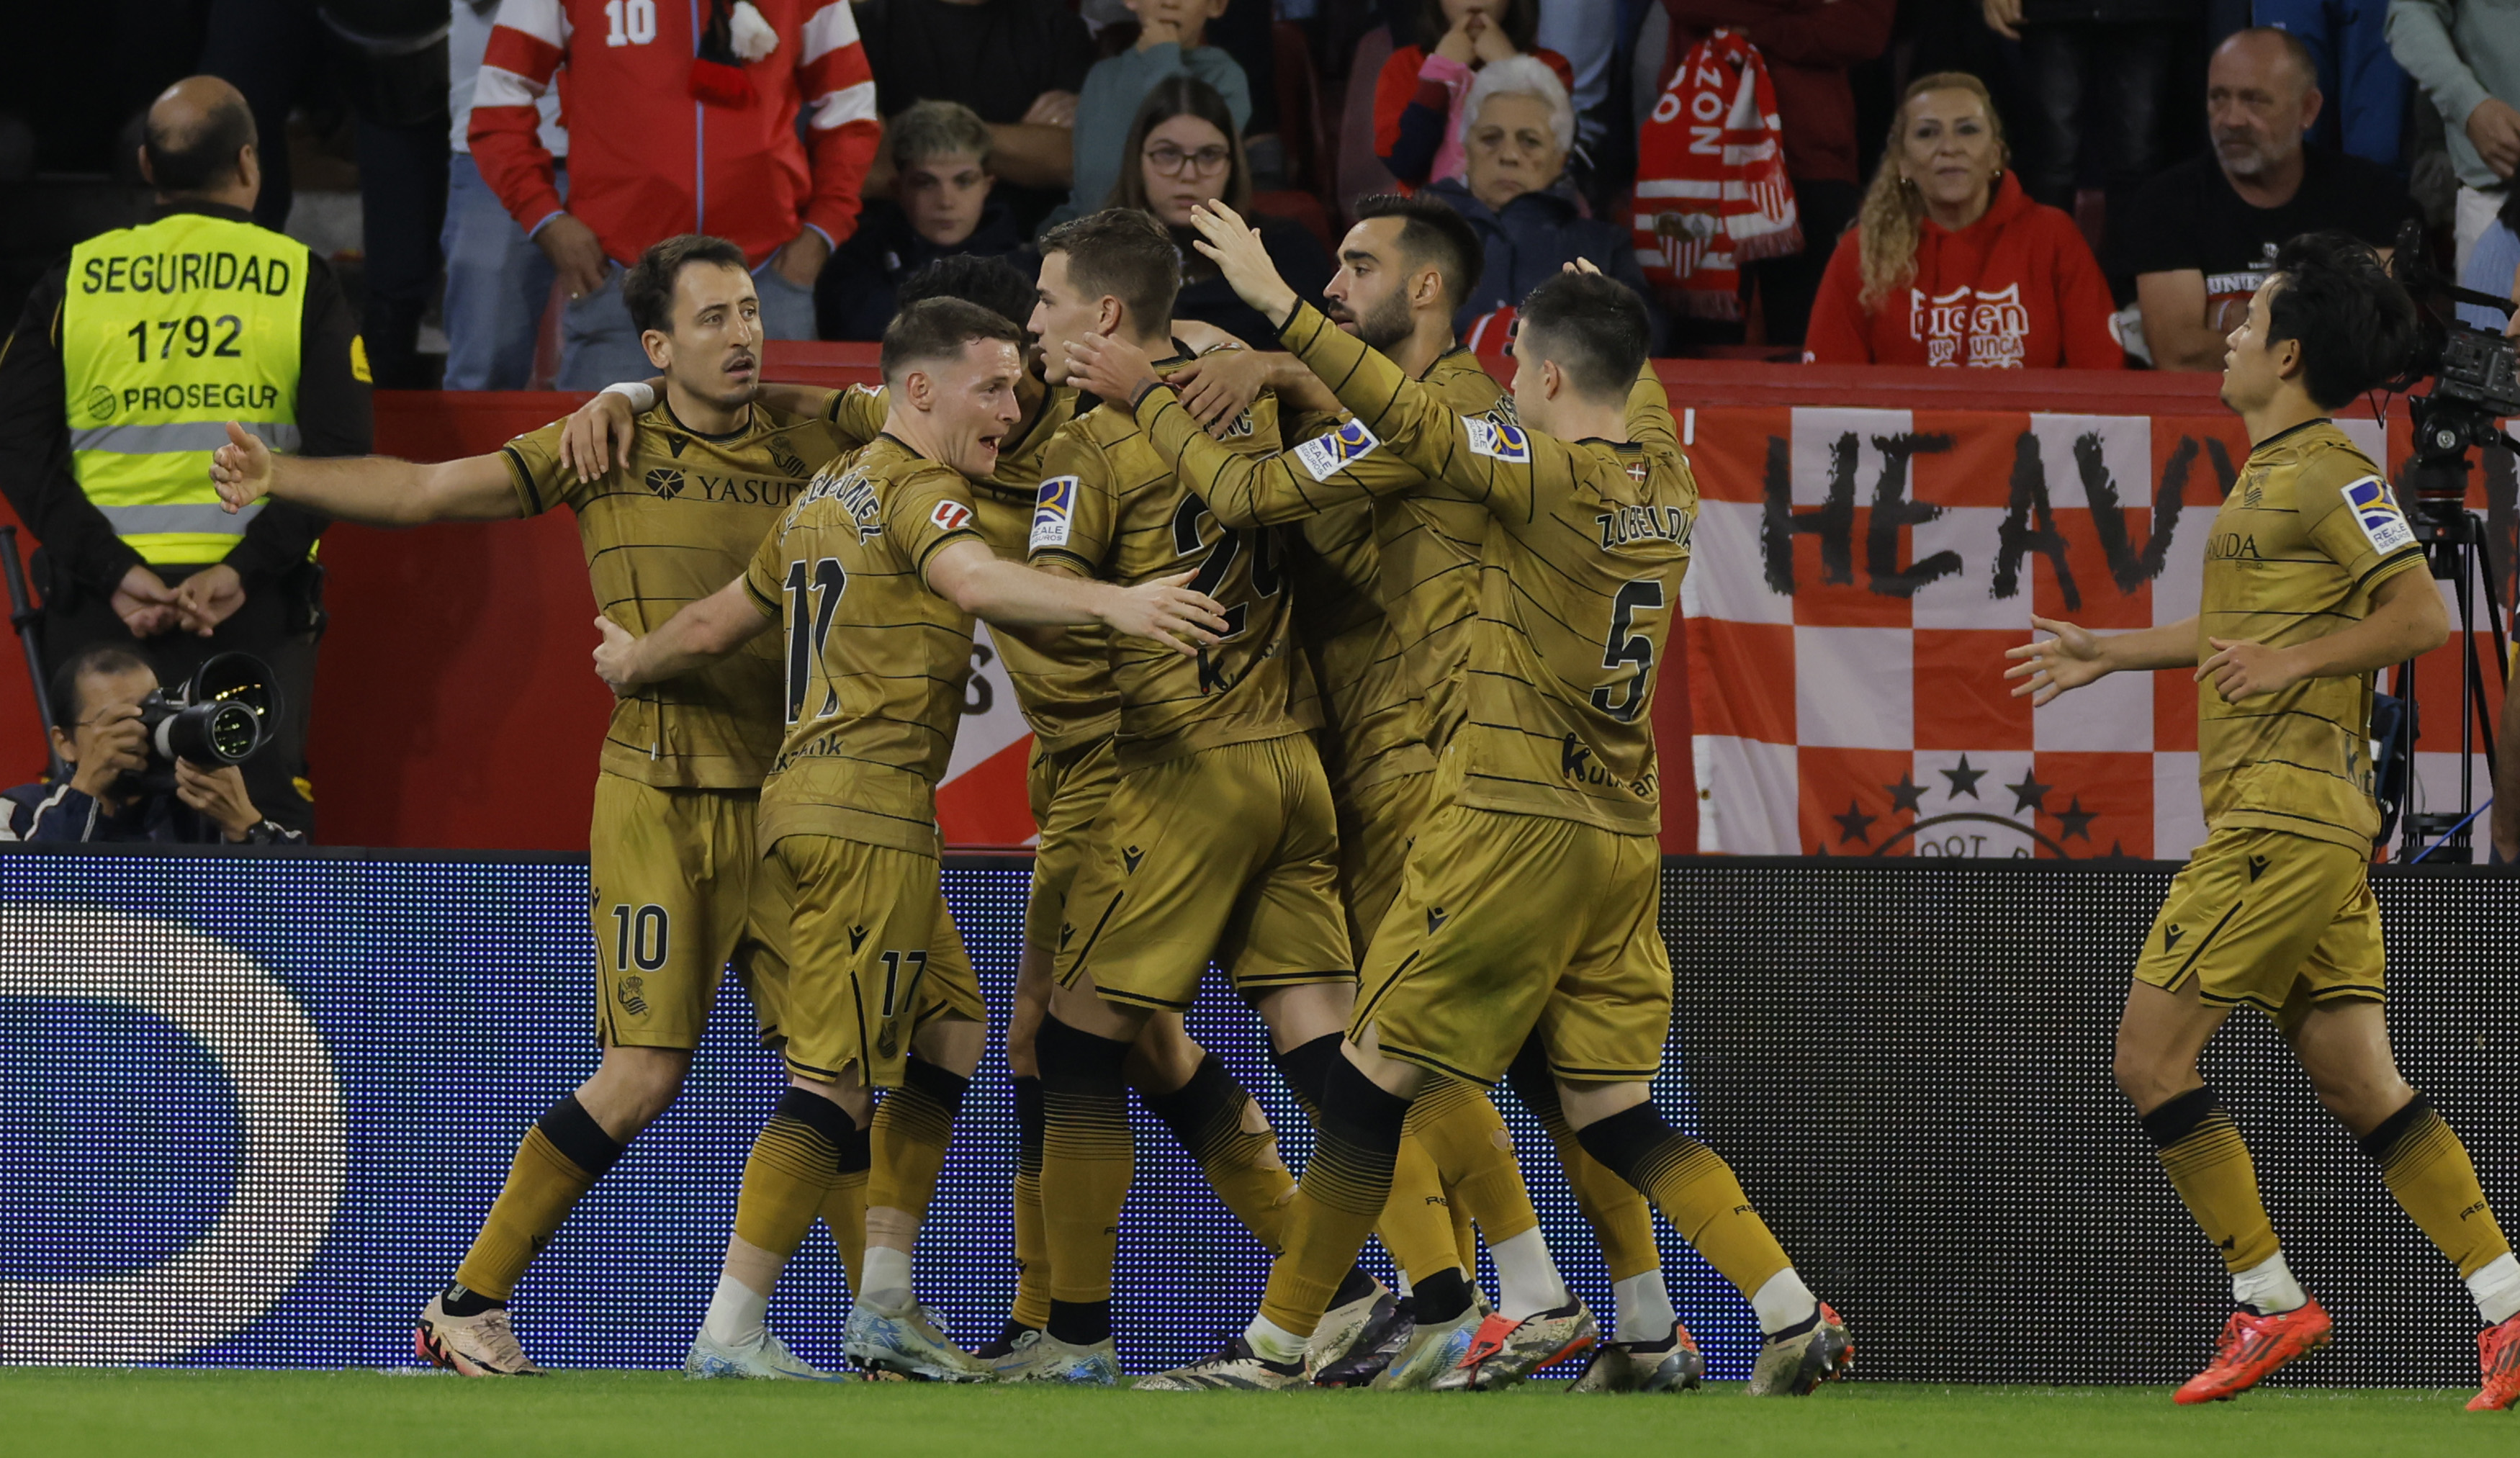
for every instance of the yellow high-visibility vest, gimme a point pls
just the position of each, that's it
(168, 332)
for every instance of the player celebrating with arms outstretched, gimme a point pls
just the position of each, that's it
(1529, 898)
(2313, 579)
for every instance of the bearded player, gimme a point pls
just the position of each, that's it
(2314, 581)
(673, 865)
(1528, 902)
(875, 576)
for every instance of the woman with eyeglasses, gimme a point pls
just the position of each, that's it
(1182, 151)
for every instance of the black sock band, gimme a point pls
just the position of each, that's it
(938, 1082)
(579, 1138)
(1306, 1067)
(2380, 1141)
(1358, 1112)
(818, 1113)
(1202, 1111)
(1626, 1140)
(1029, 1124)
(1080, 1323)
(1440, 1297)
(1073, 1061)
(2181, 1117)
(1358, 1282)
(1531, 1081)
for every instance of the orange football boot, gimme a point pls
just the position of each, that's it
(2498, 1352)
(2254, 1346)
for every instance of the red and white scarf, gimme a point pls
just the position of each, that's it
(1711, 187)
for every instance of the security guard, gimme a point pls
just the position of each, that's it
(114, 390)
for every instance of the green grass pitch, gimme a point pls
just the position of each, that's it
(620, 1414)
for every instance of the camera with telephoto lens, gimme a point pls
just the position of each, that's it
(222, 715)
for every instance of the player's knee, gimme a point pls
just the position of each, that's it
(2145, 1074)
(2362, 1099)
(634, 1086)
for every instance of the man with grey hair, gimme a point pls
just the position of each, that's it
(942, 204)
(2467, 57)
(1518, 126)
(2200, 238)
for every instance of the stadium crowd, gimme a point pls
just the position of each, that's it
(2087, 183)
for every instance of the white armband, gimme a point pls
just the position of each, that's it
(640, 393)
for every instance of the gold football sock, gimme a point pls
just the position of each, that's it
(2208, 1165)
(1088, 1156)
(1617, 1210)
(1346, 1185)
(1697, 1191)
(1032, 1243)
(1221, 1126)
(1473, 1155)
(794, 1160)
(562, 1157)
(912, 1127)
(2428, 1169)
(1416, 1221)
(844, 1208)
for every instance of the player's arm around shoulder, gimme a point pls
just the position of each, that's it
(1012, 595)
(371, 490)
(699, 634)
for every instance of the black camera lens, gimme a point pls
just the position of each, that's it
(218, 733)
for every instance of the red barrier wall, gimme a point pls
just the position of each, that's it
(454, 705)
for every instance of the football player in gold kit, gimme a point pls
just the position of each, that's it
(1062, 683)
(677, 887)
(1392, 687)
(2314, 581)
(1529, 897)
(876, 574)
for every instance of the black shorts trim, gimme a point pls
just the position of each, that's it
(1432, 1063)
(1141, 1000)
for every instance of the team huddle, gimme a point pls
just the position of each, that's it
(1340, 664)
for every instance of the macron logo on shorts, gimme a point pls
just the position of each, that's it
(950, 516)
(1051, 512)
(2375, 509)
(1331, 454)
(1506, 443)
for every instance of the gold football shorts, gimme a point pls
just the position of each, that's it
(1229, 854)
(1067, 791)
(877, 958)
(1376, 826)
(2280, 921)
(675, 891)
(1507, 923)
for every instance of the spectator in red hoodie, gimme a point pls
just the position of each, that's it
(1417, 97)
(676, 130)
(1950, 263)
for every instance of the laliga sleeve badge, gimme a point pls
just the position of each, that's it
(1053, 510)
(950, 516)
(2375, 509)
(1507, 443)
(1328, 455)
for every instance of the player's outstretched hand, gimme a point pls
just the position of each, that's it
(1235, 246)
(1108, 366)
(2069, 660)
(2242, 669)
(616, 658)
(1167, 610)
(596, 433)
(240, 470)
(1217, 386)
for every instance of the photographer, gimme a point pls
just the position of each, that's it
(98, 732)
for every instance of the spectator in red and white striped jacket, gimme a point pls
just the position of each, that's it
(681, 119)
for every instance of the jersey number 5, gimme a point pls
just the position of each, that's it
(1627, 647)
(812, 596)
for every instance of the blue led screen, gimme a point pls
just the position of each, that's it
(256, 1107)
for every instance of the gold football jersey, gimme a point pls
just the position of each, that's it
(2308, 529)
(1109, 506)
(1579, 582)
(1066, 691)
(874, 661)
(1428, 543)
(676, 518)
